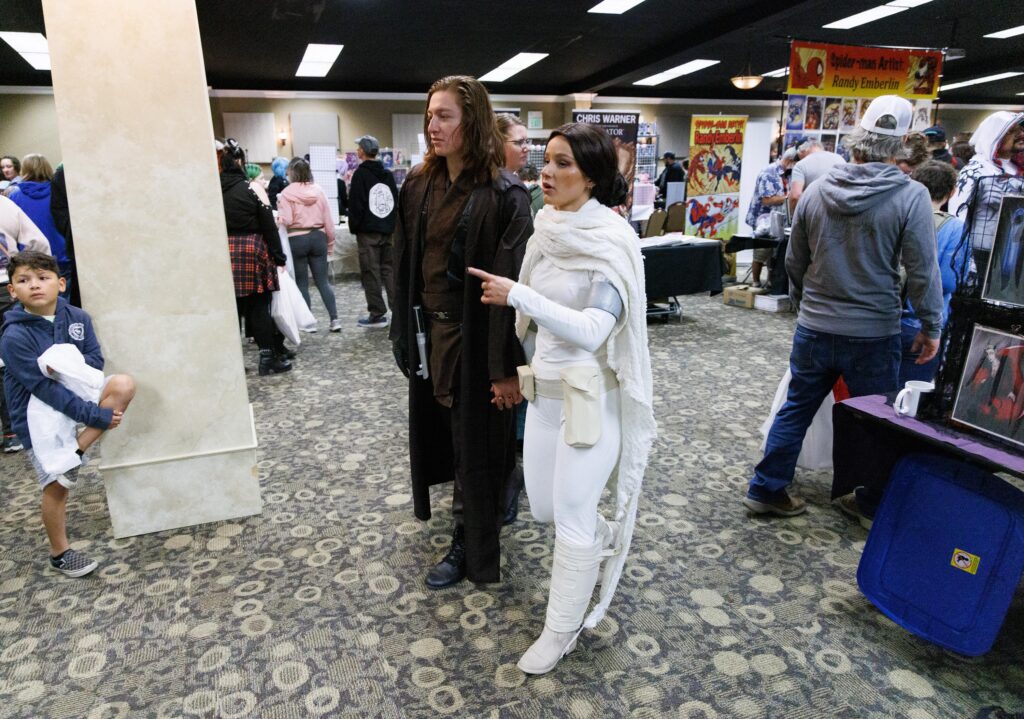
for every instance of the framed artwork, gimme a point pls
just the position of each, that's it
(795, 112)
(990, 397)
(848, 114)
(812, 113)
(830, 119)
(1004, 277)
(829, 142)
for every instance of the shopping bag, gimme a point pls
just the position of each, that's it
(288, 309)
(286, 247)
(816, 452)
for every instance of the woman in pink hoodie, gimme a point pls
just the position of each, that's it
(303, 210)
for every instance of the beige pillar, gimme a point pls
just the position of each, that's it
(152, 253)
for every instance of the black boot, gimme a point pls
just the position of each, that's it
(452, 569)
(283, 352)
(269, 364)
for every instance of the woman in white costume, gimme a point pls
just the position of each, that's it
(581, 288)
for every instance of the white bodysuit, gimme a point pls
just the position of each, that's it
(564, 483)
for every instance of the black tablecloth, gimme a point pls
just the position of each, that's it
(869, 440)
(682, 270)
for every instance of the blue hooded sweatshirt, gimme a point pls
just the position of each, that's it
(25, 337)
(34, 200)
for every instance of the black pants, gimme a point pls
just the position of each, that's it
(255, 309)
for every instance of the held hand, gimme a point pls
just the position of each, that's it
(506, 393)
(927, 346)
(116, 421)
(495, 288)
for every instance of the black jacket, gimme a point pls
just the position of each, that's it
(362, 217)
(671, 173)
(246, 214)
(274, 188)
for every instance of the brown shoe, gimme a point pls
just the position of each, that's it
(848, 504)
(784, 506)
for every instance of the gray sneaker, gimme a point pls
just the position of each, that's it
(73, 564)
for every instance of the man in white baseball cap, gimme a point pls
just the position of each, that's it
(850, 229)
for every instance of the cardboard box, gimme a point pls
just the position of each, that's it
(773, 303)
(740, 296)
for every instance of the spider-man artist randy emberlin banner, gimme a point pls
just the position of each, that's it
(854, 71)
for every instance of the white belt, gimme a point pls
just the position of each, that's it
(554, 388)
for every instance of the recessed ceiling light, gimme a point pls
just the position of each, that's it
(615, 7)
(318, 60)
(1010, 32)
(875, 13)
(32, 47)
(510, 67)
(980, 80)
(678, 71)
(781, 72)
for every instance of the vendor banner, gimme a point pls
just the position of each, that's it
(713, 184)
(854, 71)
(622, 127)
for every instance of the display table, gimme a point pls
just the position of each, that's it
(345, 259)
(870, 438)
(681, 269)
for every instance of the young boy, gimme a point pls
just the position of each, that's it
(40, 320)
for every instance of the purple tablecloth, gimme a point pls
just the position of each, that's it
(877, 406)
(869, 439)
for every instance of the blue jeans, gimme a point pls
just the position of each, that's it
(869, 365)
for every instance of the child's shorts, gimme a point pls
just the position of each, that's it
(68, 479)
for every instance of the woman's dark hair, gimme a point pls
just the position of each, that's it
(483, 146)
(232, 157)
(298, 170)
(14, 161)
(594, 152)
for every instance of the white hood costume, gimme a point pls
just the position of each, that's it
(985, 214)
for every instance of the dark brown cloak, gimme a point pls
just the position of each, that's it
(499, 226)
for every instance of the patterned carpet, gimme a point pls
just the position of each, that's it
(317, 607)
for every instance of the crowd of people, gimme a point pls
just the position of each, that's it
(506, 284)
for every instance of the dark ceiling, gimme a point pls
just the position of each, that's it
(403, 45)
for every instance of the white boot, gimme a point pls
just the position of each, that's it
(574, 573)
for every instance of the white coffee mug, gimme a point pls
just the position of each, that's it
(907, 400)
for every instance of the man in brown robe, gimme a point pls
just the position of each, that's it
(456, 432)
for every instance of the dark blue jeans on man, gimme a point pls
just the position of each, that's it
(868, 365)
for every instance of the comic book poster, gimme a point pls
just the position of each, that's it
(622, 127)
(830, 115)
(812, 114)
(795, 112)
(712, 216)
(713, 185)
(829, 142)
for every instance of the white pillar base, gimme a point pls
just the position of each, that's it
(156, 496)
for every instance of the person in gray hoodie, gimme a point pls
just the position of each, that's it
(850, 231)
